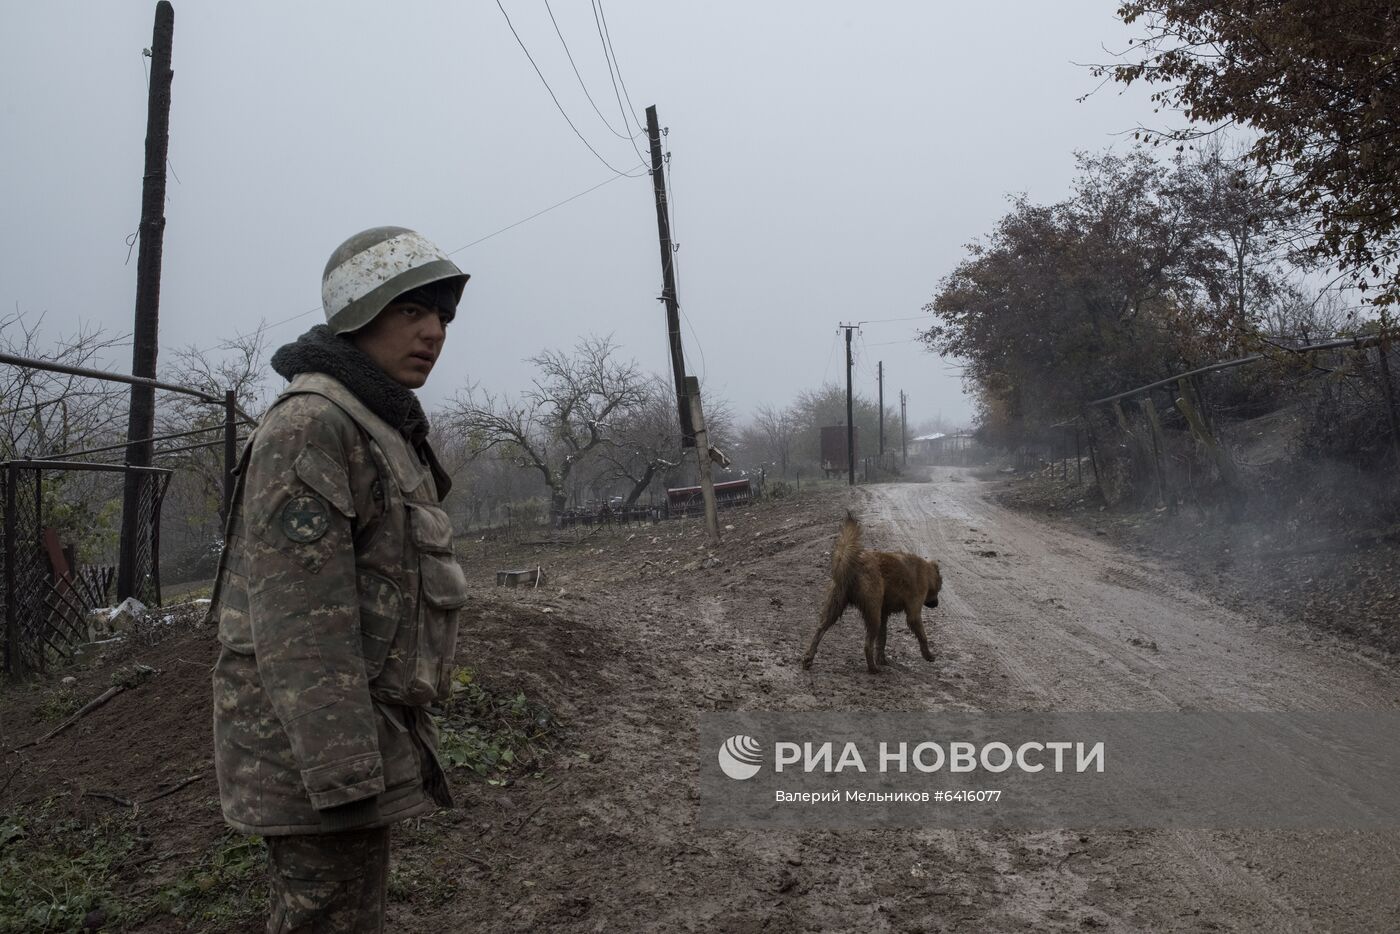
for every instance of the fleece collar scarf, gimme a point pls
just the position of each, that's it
(320, 351)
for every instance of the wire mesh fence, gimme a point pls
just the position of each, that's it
(58, 559)
(1226, 434)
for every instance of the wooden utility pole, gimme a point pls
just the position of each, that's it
(145, 334)
(903, 435)
(668, 277)
(702, 451)
(850, 413)
(880, 380)
(690, 411)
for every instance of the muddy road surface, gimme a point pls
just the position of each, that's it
(1055, 620)
(639, 630)
(1034, 617)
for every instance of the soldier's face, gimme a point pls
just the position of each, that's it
(404, 340)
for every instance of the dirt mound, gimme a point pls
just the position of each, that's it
(122, 806)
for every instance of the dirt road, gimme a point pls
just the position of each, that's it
(641, 629)
(1060, 621)
(654, 630)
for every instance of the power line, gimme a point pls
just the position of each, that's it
(633, 107)
(671, 213)
(887, 320)
(829, 354)
(557, 204)
(704, 370)
(908, 340)
(862, 353)
(495, 233)
(552, 95)
(614, 74)
(581, 83)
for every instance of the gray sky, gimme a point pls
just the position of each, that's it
(829, 162)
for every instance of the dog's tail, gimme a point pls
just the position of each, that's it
(843, 558)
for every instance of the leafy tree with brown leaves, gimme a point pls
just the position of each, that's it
(1146, 270)
(1319, 82)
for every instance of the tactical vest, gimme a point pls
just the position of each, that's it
(410, 586)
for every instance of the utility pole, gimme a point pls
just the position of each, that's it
(850, 413)
(903, 438)
(145, 340)
(880, 379)
(702, 451)
(668, 276)
(690, 411)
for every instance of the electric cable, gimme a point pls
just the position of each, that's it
(704, 370)
(829, 354)
(581, 83)
(633, 107)
(552, 95)
(887, 320)
(224, 345)
(613, 74)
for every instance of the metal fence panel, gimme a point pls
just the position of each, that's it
(48, 586)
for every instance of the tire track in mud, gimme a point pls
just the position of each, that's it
(657, 634)
(1044, 618)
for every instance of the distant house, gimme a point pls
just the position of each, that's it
(922, 446)
(957, 448)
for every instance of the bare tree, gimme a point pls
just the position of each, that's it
(43, 413)
(571, 411)
(237, 364)
(779, 429)
(190, 520)
(647, 443)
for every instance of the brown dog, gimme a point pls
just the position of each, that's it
(877, 583)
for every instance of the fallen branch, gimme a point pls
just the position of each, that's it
(171, 790)
(86, 709)
(159, 857)
(108, 796)
(526, 819)
(6, 787)
(127, 802)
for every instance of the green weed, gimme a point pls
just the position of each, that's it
(225, 885)
(60, 704)
(59, 875)
(493, 734)
(52, 875)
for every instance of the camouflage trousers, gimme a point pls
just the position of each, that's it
(332, 883)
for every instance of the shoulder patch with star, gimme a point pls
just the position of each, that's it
(305, 519)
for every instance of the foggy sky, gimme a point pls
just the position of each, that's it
(829, 162)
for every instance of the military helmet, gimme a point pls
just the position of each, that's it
(372, 268)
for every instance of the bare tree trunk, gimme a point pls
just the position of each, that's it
(639, 486)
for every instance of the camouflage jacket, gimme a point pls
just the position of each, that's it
(336, 600)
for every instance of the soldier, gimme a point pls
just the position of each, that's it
(337, 594)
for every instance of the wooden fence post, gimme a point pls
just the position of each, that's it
(1388, 387)
(1188, 404)
(1159, 451)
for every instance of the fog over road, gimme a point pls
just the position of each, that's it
(1061, 620)
(649, 628)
